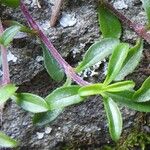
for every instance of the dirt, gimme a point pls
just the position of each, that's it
(82, 126)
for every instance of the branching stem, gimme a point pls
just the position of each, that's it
(67, 68)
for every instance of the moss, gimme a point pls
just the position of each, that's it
(139, 140)
(134, 139)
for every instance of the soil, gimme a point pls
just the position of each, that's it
(82, 126)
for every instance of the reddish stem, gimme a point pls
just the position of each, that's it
(138, 28)
(5, 66)
(67, 68)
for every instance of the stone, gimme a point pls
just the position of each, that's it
(82, 126)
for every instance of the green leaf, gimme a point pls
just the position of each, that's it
(11, 3)
(63, 97)
(6, 92)
(51, 65)
(41, 119)
(22, 27)
(146, 6)
(120, 86)
(92, 89)
(97, 52)
(125, 98)
(109, 24)
(6, 141)
(114, 118)
(31, 102)
(132, 60)
(121, 96)
(9, 34)
(116, 62)
(143, 94)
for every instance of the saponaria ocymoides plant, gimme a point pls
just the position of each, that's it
(114, 90)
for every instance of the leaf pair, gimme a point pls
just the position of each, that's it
(58, 100)
(123, 61)
(102, 88)
(111, 108)
(125, 98)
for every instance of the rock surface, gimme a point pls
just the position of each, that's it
(82, 126)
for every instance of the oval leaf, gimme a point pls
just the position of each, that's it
(109, 24)
(132, 60)
(63, 97)
(146, 6)
(6, 92)
(120, 86)
(125, 98)
(9, 34)
(114, 118)
(97, 52)
(51, 65)
(91, 90)
(6, 141)
(143, 94)
(11, 3)
(116, 62)
(41, 119)
(31, 102)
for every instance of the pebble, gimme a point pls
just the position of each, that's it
(48, 130)
(39, 58)
(11, 57)
(40, 135)
(120, 5)
(67, 20)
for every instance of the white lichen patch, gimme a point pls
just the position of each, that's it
(75, 51)
(39, 58)
(93, 70)
(105, 67)
(40, 135)
(120, 5)
(48, 130)
(67, 20)
(11, 57)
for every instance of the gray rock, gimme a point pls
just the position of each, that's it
(82, 126)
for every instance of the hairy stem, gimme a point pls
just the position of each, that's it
(5, 67)
(67, 68)
(136, 27)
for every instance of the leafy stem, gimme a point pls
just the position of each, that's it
(5, 67)
(136, 27)
(67, 68)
